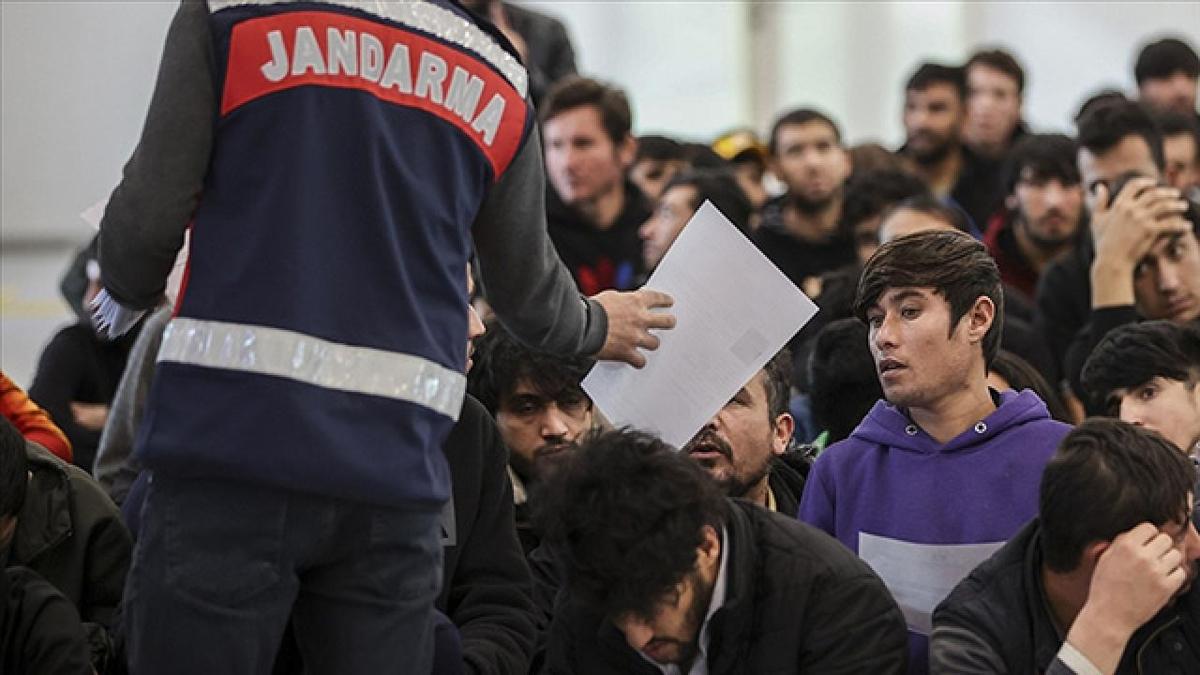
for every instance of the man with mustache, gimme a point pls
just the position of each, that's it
(1043, 215)
(540, 410)
(1083, 589)
(744, 447)
(939, 475)
(935, 104)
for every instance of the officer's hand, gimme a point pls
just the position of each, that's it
(630, 320)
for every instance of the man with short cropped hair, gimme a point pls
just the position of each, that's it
(593, 211)
(995, 93)
(940, 474)
(746, 446)
(1043, 218)
(1148, 374)
(1166, 74)
(935, 100)
(1147, 245)
(799, 230)
(1083, 589)
(667, 575)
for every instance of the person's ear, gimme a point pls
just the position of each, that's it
(979, 318)
(708, 553)
(785, 426)
(627, 151)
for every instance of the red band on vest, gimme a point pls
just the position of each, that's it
(282, 51)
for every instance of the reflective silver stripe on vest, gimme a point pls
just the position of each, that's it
(300, 357)
(430, 18)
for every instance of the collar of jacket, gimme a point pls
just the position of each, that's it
(45, 519)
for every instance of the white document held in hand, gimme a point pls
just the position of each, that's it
(734, 310)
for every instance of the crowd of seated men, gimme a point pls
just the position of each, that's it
(979, 457)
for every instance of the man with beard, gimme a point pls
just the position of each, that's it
(995, 86)
(939, 475)
(799, 230)
(934, 114)
(667, 575)
(744, 447)
(539, 407)
(1083, 589)
(1043, 214)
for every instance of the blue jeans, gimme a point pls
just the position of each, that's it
(221, 566)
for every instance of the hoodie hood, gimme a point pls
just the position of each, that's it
(889, 426)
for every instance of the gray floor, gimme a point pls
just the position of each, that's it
(31, 309)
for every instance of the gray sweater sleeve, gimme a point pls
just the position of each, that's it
(956, 649)
(116, 469)
(522, 276)
(148, 212)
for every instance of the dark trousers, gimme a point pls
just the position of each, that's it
(221, 566)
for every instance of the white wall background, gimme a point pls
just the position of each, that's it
(77, 75)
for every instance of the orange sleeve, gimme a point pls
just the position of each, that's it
(33, 422)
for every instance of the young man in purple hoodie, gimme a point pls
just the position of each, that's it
(940, 474)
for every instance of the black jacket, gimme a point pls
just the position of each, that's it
(797, 601)
(70, 533)
(997, 621)
(486, 591)
(1064, 301)
(599, 259)
(39, 628)
(786, 481)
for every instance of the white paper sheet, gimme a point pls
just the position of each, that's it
(734, 311)
(921, 575)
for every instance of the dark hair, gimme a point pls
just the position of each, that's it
(868, 157)
(1162, 59)
(1102, 97)
(869, 194)
(1134, 354)
(1136, 475)
(576, 92)
(998, 59)
(1046, 156)
(1020, 374)
(929, 74)
(795, 118)
(700, 156)
(1173, 124)
(720, 188)
(14, 469)
(954, 264)
(658, 149)
(843, 384)
(933, 207)
(778, 383)
(626, 513)
(501, 361)
(1107, 124)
